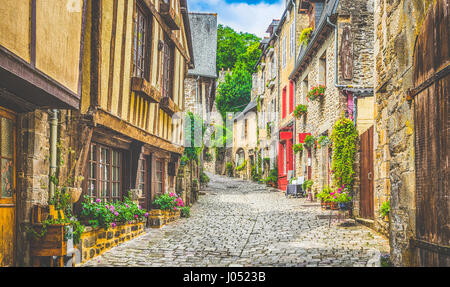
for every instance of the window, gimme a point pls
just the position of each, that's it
(284, 60)
(6, 156)
(283, 112)
(141, 43)
(105, 173)
(159, 176)
(291, 96)
(323, 69)
(305, 90)
(168, 65)
(292, 40)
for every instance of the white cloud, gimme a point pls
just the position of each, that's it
(242, 17)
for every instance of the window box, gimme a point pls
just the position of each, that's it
(142, 86)
(168, 105)
(169, 15)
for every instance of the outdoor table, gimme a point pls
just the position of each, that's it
(294, 189)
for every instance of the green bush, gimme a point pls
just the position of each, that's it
(307, 184)
(385, 209)
(242, 166)
(204, 178)
(185, 211)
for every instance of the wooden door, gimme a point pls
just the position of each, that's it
(366, 209)
(432, 137)
(7, 188)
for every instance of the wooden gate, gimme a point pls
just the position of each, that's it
(366, 209)
(431, 247)
(7, 189)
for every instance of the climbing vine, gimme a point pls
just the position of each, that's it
(344, 137)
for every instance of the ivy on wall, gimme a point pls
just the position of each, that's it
(344, 137)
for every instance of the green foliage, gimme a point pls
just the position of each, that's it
(241, 166)
(234, 94)
(298, 148)
(307, 184)
(304, 36)
(269, 129)
(300, 110)
(185, 211)
(208, 157)
(192, 152)
(256, 173)
(344, 137)
(316, 92)
(204, 178)
(324, 141)
(385, 209)
(233, 47)
(273, 176)
(324, 195)
(310, 141)
(169, 201)
(108, 214)
(238, 52)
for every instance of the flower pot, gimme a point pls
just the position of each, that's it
(328, 205)
(334, 206)
(75, 193)
(344, 205)
(323, 204)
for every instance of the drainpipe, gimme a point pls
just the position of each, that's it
(295, 121)
(278, 97)
(53, 150)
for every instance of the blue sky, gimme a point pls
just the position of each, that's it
(252, 16)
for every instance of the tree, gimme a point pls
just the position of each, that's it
(234, 94)
(238, 52)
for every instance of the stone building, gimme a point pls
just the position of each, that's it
(411, 128)
(339, 56)
(83, 86)
(200, 86)
(265, 88)
(36, 79)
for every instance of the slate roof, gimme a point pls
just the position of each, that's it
(251, 106)
(204, 40)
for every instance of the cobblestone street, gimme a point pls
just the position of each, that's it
(239, 223)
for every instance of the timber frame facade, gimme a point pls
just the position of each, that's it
(112, 91)
(132, 102)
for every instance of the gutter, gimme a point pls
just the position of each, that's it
(53, 150)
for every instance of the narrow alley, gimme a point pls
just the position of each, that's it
(240, 223)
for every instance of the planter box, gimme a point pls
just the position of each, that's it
(95, 241)
(51, 244)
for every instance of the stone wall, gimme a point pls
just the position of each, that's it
(96, 241)
(397, 24)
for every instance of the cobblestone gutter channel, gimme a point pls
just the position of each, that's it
(239, 223)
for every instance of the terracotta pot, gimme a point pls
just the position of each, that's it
(328, 205)
(334, 206)
(75, 193)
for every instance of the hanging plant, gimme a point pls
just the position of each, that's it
(344, 137)
(316, 92)
(298, 148)
(300, 110)
(305, 36)
(310, 141)
(324, 141)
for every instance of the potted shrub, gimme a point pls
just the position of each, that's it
(300, 110)
(343, 198)
(323, 141)
(316, 92)
(324, 197)
(310, 141)
(307, 187)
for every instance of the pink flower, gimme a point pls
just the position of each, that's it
(98, 200)
(127, 205)
(113, 224)
(146, 214)
(140, 207)
(107, 206)
(136, 216)
(174, 208)
(116, 213)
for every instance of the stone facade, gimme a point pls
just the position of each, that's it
(397, 24)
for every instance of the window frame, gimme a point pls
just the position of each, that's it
(168, 66)
(146, 43)
(98, 176)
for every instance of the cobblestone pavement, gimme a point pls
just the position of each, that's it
(239, 223)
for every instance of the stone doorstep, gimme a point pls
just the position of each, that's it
(367, 222)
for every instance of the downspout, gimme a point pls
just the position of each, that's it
(53, 149)
(295, 122)
(278, 98)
